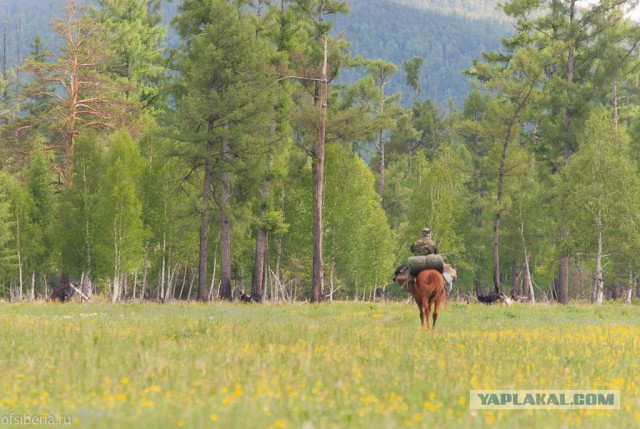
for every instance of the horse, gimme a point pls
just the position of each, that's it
(427, 290)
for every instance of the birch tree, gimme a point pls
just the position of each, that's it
(120, 243)
(7, 256)
(602, 186)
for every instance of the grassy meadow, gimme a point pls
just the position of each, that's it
(335, 365)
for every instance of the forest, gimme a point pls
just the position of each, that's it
(249, 148)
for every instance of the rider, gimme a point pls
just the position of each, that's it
(425, 245)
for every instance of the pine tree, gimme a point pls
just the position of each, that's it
(222, 93)
(135, 37)
(79, 95)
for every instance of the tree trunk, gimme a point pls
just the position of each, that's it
(85, 285)
(169, 290)
(497, 284)
(257, 277)
(204, 222)
(87, 227)
(516, 272)
(18, 227)
(279, 243)
(615, 104)
(184, 280)
(190, 286)
(114, 295)
(144, 278)
(265, 271)
(630, 290)
(20, 275)
(116, 264)
(331, 287)
(501, 175)
(225, 226)
(382, 161)
(568, 117)
(135, 283)
(213, 275)
(598, 287)
(316, 286)
(381, 141)
(125, 282)
(527, 285)
(33, 286)
(562, 285)
(496, 220)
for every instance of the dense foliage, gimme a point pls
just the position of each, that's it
(140, 160)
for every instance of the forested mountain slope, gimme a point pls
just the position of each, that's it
(448, 34)
(448, 41)
(473, 9)
(21, 21)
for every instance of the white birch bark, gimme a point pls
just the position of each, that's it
(598, 288)
(33, 286)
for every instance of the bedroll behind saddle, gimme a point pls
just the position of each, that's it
(427, 262)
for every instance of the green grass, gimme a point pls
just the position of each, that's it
(341, 365)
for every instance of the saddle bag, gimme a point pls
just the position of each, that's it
(402, 277)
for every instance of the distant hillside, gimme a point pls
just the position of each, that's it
(474, 9)
(21, 20)
(449, 34)
(448, 42)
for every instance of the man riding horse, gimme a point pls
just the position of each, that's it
(427, 277)
(425, 245)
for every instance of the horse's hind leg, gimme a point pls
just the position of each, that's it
(421, 312)
(436, 305)
(427, 310)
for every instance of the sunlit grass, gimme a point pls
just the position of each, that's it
(331, 365)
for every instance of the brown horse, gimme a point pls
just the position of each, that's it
(428, 289)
